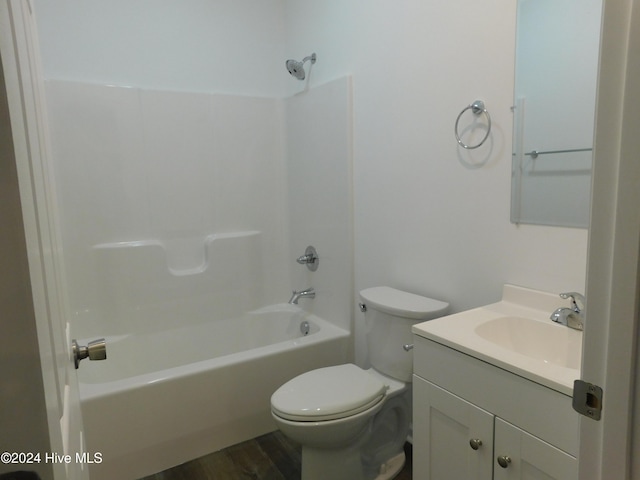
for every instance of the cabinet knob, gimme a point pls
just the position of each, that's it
(504, 461)
(475, 443)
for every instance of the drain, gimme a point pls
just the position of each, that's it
(304, 328)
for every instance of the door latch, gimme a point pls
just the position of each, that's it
(587, 399)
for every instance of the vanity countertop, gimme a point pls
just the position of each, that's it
(517, 335)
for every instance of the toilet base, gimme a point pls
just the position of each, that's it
(345, 465)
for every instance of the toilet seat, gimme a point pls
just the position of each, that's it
(328, 394)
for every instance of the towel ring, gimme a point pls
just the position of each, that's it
(477, 108)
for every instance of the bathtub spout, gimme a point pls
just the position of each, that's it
(309, 293)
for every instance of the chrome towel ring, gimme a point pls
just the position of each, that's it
(477, 108)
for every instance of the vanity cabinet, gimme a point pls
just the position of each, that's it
(475, 421)
(444, 427)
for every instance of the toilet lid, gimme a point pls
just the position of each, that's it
(327, 394)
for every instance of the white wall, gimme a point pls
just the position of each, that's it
(221, 46)
(429, 217)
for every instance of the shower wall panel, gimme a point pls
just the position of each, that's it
(319, 171)
(135, 166)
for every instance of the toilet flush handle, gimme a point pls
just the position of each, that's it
(407, 347)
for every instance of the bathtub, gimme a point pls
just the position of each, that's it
(163, 398)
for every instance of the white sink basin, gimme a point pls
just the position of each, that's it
(534, 339)
(517, 335)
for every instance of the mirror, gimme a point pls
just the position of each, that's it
(557, 48)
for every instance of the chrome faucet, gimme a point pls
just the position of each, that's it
(572, 317)
(309, 293)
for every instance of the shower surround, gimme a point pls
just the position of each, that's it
(134, 165)
(181, 211)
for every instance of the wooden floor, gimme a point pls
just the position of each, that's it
(269, 457)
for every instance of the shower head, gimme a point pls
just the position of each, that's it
(296, 68)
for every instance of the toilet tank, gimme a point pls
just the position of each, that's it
(389, 315)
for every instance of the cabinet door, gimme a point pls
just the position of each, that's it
(529, 457)
(443, 427)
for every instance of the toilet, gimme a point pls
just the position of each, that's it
(352, 423)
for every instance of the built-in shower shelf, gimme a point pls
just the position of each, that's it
(163, 282)
(181, 256)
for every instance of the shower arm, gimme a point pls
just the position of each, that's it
(311, 57)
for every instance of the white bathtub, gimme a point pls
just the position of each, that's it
(166, 397)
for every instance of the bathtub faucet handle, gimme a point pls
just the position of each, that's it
(95, 350)
(310, 259)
